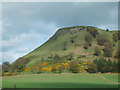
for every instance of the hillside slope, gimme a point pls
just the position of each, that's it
(70, 40)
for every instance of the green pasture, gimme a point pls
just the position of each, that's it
(65, 80)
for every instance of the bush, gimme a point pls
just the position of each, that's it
(20, 64)
(102, 39)
(72, 39)
(86, 46)
(81, 56)
(115, 37)
(117, 53)
(5, 66)
(20, 68)
(54, 69)
(108, 49)
(105, 66)
(108, 44)
(60, 69)
(107, 29)
(92, 68)
(74, 68)
(57, 57)
(88, 37)
(8, 74)
(70, 56)
(64, 45)
(93, 32)
(97, 51)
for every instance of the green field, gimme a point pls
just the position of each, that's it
(65, 80)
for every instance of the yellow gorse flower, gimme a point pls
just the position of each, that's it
(26, 69)
(85, 63)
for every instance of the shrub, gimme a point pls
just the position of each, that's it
(20, 64)
(26, 69)
(89, 43)
(108, 44)
(97, 51)
(60, 69)
(57, 57)
(54, 69)
(88, 37)
(72, 39)
(108, 49)
(102, 39)
(81, 56)
(64, 45)
(93, 32)
(74, 67)
(107, 29)
(105, 66)
(5, 66)
(115, 36)
(8, 74)
(117, 53)
(86, 46)
(92, 68)
(70, 56)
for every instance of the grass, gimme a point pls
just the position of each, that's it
(111, 77)
(82, 80)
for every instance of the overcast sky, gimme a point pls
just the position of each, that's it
(28, 25)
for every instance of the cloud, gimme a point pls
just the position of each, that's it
(28, 25)
(23, 43)
(11, 56)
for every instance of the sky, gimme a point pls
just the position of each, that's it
(27, 25)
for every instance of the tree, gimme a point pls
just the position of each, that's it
(97, 51)
(117, 53)
(108, 44)
(108, 49)
(5, 66)
(101, 39)
(109, 65)
(105, 66)
(115, 67)
(88, 37)
(107, 29)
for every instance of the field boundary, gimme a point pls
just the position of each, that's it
(107, 79)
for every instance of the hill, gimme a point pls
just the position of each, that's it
(85, 43)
